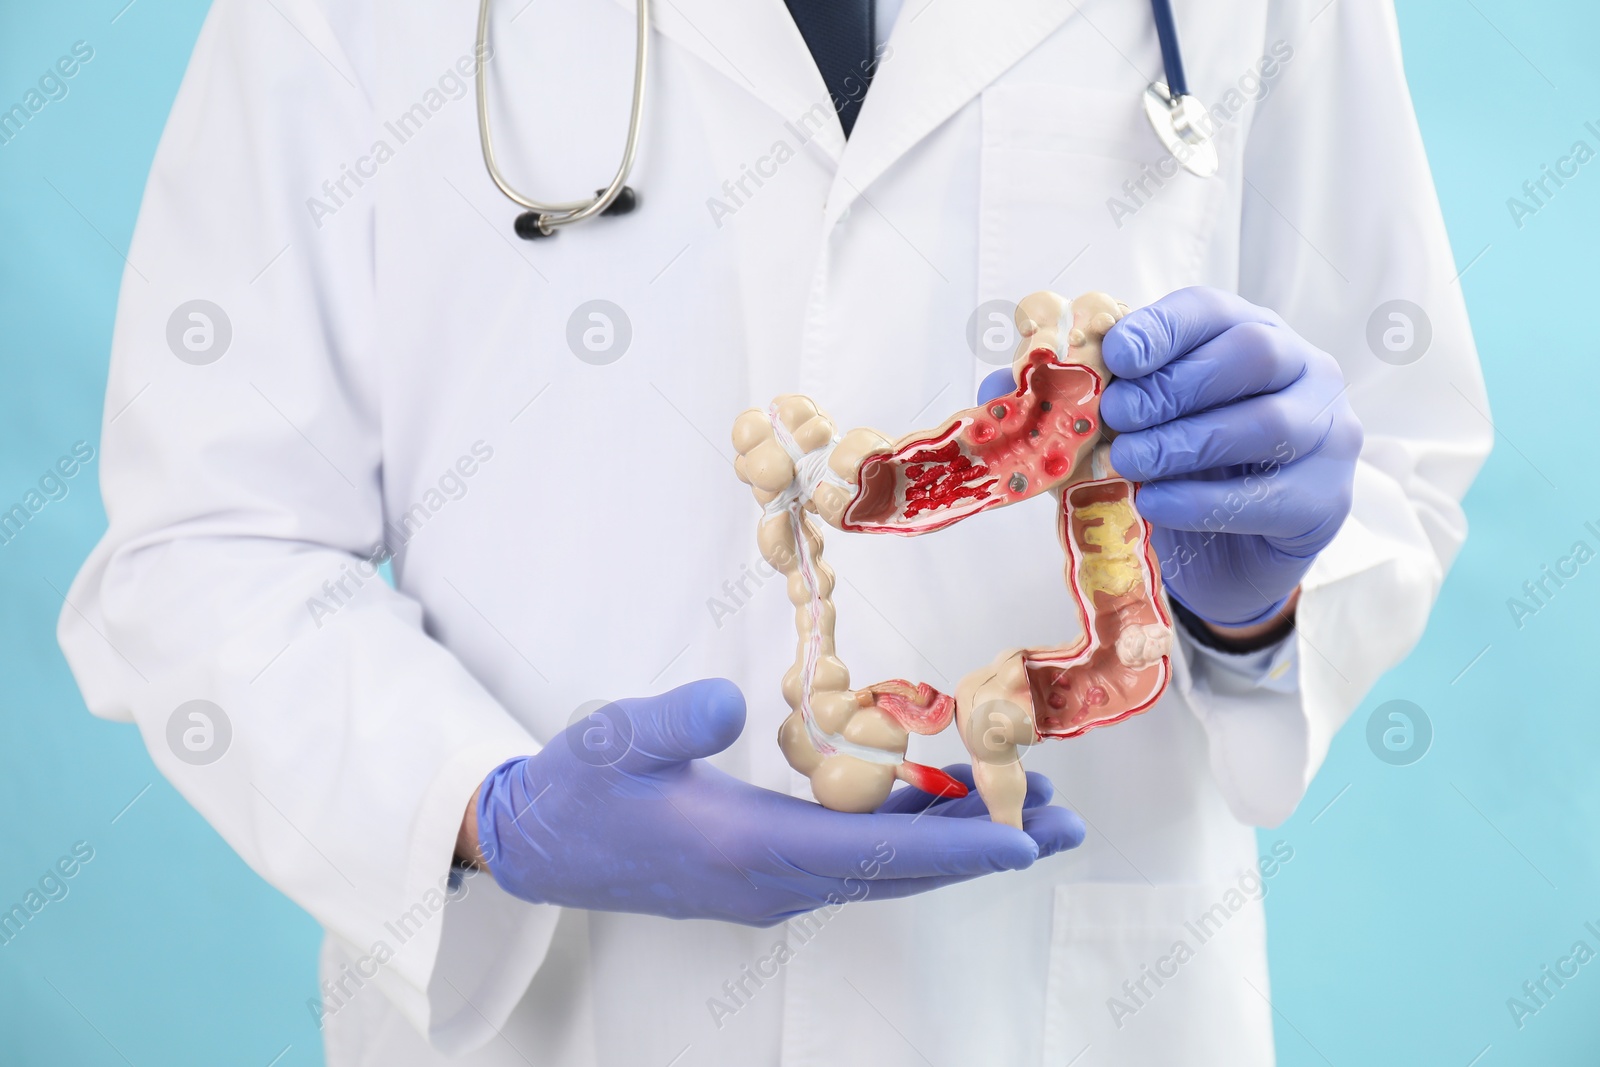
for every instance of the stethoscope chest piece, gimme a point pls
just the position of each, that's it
(1178, 125)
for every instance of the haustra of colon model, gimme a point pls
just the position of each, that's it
(1044, 437)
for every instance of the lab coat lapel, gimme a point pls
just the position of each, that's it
(942, 53)
(756, 45)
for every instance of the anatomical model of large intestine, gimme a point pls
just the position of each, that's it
(1043, 438)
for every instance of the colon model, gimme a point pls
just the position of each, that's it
(1043, 438)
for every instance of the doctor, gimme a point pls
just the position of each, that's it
(336, 351)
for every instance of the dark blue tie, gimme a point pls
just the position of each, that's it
(839, 34)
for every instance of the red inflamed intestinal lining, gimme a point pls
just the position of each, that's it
(938, 477)
(1008, 449)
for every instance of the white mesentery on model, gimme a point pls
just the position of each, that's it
(379, 332)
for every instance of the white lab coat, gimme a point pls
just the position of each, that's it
(398, 332)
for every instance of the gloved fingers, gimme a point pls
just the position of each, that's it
(1150, 337)
(1255, 601)
(1266, 431)
(1301, 507)
(858, 890)
(1247, 360)
(835, 844)
(855, 891)
(1040, 790)
(1000, 383)
(503, 802)
(1053, 828)
(905, 800)
(641, 735)
(912, 801)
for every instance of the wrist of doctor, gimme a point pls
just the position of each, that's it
(468, 853)
(623, 813)
(1238, 640)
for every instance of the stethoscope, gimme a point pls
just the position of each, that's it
(1174, 113)
(541, 219)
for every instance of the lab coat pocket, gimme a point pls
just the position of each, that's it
(1157, 976)
(1076, 193)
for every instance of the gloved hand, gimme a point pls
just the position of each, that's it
(1243, 440)
(619, 813)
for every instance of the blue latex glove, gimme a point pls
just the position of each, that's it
(620, 813)
(1241, 434)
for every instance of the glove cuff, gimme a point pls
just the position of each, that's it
(1199, 627)
(500, 790)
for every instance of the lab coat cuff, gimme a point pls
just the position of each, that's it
(490, 944)
(1273, 667)
(1253, 713)
(480, 957)
(1362, 606)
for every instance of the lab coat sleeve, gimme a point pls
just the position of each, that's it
(244, 497)
(1339, 218)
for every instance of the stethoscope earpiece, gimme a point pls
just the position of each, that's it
(530, 226)
(627, 199)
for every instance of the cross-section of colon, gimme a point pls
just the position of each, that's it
(1044, 437)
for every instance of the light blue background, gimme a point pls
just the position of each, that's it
(1420, 898)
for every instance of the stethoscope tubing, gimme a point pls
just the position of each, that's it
(565, 213)
(1171, 54)
(544, 217)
